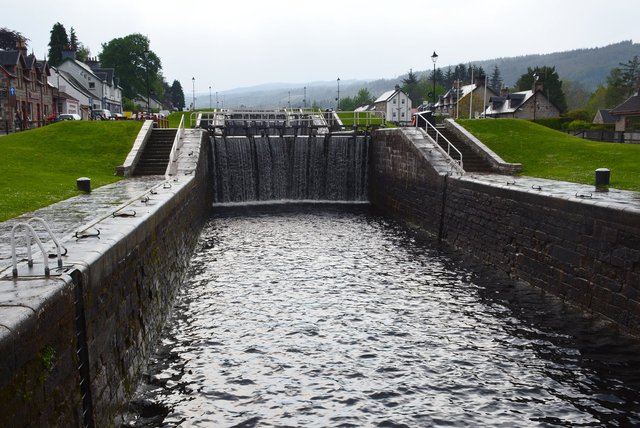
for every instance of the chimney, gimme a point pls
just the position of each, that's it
(21, 46)
(68, 51)
(504, 91)
(479, 81)
(397, 87)
(537, 84)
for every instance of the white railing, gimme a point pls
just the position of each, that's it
(175, 149)
(456, 164)
(363, 118)
(31, 233)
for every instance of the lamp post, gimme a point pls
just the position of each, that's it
(304, 98)
(193, 93)
(535, 94)
(338, 99)
(216, 100)
(210, 98)
(289, 102)
(434, 58)
(146, 64)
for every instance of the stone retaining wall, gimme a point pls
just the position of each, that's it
(73, 347)
(581, 249)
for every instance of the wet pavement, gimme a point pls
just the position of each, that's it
(66, 217)
(624, 200)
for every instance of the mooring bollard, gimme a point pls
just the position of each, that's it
(84, 184)
(602, 177)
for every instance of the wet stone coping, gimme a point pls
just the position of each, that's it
(615, 199)
(87, 226)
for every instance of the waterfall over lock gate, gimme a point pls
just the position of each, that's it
(331, 167)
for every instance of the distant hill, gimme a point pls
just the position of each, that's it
(588, 67)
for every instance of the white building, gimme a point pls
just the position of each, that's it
(99, 82)
(396, 106)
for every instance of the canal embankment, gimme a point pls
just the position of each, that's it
(572, 240)
(73, 345)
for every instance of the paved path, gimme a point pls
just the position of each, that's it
(65, 217)
(613, 198)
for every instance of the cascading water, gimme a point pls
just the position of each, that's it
(332, 167)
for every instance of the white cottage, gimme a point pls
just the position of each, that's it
(396, 106)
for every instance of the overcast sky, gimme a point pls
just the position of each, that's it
(239, 43)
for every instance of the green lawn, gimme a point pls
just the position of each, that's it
(546, 153)
(362, 119)
(40, 166)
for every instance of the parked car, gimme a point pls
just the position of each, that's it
(101, 114)
(68, 117)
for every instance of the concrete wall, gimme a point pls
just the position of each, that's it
(78, 342)
(585, 250)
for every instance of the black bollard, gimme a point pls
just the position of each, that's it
(602, 177)
(84, 184)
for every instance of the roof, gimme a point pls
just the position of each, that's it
(386, 96)
(73, 82)
(606, 116)
(509, 104)
(9, 57)
(630, 106)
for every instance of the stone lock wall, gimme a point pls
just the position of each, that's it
(585, 251)
(587, 254)
(75, 353)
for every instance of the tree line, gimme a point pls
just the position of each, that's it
(137, 68)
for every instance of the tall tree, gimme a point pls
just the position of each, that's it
(9, 38)
(73, 38)
(177, 95)
(134, 63)
(410, 87)
(551, 83)
(82, 52)
(57, 42)
(363, 98)
(495, 80)
(630, 75)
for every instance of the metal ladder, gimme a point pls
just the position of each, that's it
(31, 233)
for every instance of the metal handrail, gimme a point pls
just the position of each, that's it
(369, 117)
(455, 163)
(175, 148)
(14, 258)
(51, 235)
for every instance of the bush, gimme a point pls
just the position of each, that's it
(578, 125)
(579, 115)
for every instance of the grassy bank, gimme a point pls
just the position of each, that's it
(41, 166)
(546, 153)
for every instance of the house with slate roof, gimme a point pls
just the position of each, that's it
(25, 95)
(529, 105)
(604, 117)
(468, 97)
(396, 106)
(72, 97)
(99, 82)
(626, 112)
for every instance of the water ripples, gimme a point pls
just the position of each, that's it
(333, 316)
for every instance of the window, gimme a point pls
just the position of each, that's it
(403, 101)
(394, 100)
(92, 85)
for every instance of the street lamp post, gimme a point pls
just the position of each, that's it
(338, 99)
(193, 93)
(216, 100)
(146, 64)
(210, 105)
(304, 98)
(434, 58)
(535, 94)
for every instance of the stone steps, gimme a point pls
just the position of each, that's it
(155, 156)
(472, 162)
